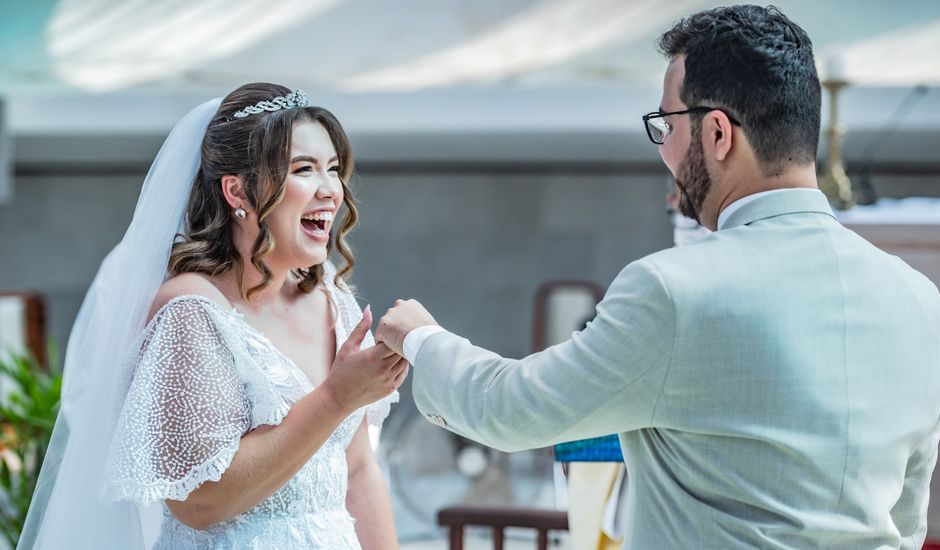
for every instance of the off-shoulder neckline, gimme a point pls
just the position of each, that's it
(240, 318)
(329, 284)
(230, 310)
(198, 298)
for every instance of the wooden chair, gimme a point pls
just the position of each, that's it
(545, 316)
(456, 518)
(30, 325)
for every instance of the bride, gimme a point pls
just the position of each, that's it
(220, 378)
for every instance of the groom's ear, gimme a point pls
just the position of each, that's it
(233, 191)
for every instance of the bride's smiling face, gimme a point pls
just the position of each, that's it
(313, 193)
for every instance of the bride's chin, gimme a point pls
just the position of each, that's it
(312, 258)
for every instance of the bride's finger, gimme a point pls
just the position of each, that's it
(378, 352)
(386, 351)
(399, 365)
(391, 362)
(358, 334)
(402, 375)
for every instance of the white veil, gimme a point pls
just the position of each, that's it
(66, 511)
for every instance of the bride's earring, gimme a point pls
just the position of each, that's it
(240, 213)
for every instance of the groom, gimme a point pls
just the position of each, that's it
(775, 385)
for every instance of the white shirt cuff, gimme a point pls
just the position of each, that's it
(415, 339)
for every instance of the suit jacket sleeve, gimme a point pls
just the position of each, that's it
(910, 511)
(608, 378)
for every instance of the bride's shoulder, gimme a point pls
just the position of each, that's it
(187, 284)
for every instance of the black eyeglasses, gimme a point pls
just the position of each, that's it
(658, 129)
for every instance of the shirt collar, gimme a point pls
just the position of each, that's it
(733, 207)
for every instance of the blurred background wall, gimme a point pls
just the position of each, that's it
(499, 142)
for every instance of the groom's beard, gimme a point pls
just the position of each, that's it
(693, 181)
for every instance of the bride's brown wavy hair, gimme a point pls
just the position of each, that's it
(257, 148)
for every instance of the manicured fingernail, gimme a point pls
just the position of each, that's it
(368, 309)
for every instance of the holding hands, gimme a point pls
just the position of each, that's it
(405, 316)
(359, 377)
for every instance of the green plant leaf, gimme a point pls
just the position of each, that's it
(26, 421)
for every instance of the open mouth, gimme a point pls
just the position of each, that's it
(313, 225)
(317, 224)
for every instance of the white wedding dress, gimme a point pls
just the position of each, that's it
(204, 379)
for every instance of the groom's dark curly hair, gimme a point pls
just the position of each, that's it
(758, 65)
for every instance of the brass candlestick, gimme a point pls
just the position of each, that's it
(833, 181)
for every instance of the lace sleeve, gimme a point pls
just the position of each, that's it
(185, 412)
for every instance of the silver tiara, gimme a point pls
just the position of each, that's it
(297, 98)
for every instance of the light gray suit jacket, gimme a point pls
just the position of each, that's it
(776, 385)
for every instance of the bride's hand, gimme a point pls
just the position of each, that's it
(360, 377)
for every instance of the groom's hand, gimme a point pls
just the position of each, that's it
(404, 317)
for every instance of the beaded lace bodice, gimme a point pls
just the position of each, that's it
(204, 379)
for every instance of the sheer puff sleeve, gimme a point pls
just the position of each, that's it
(185, 412)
